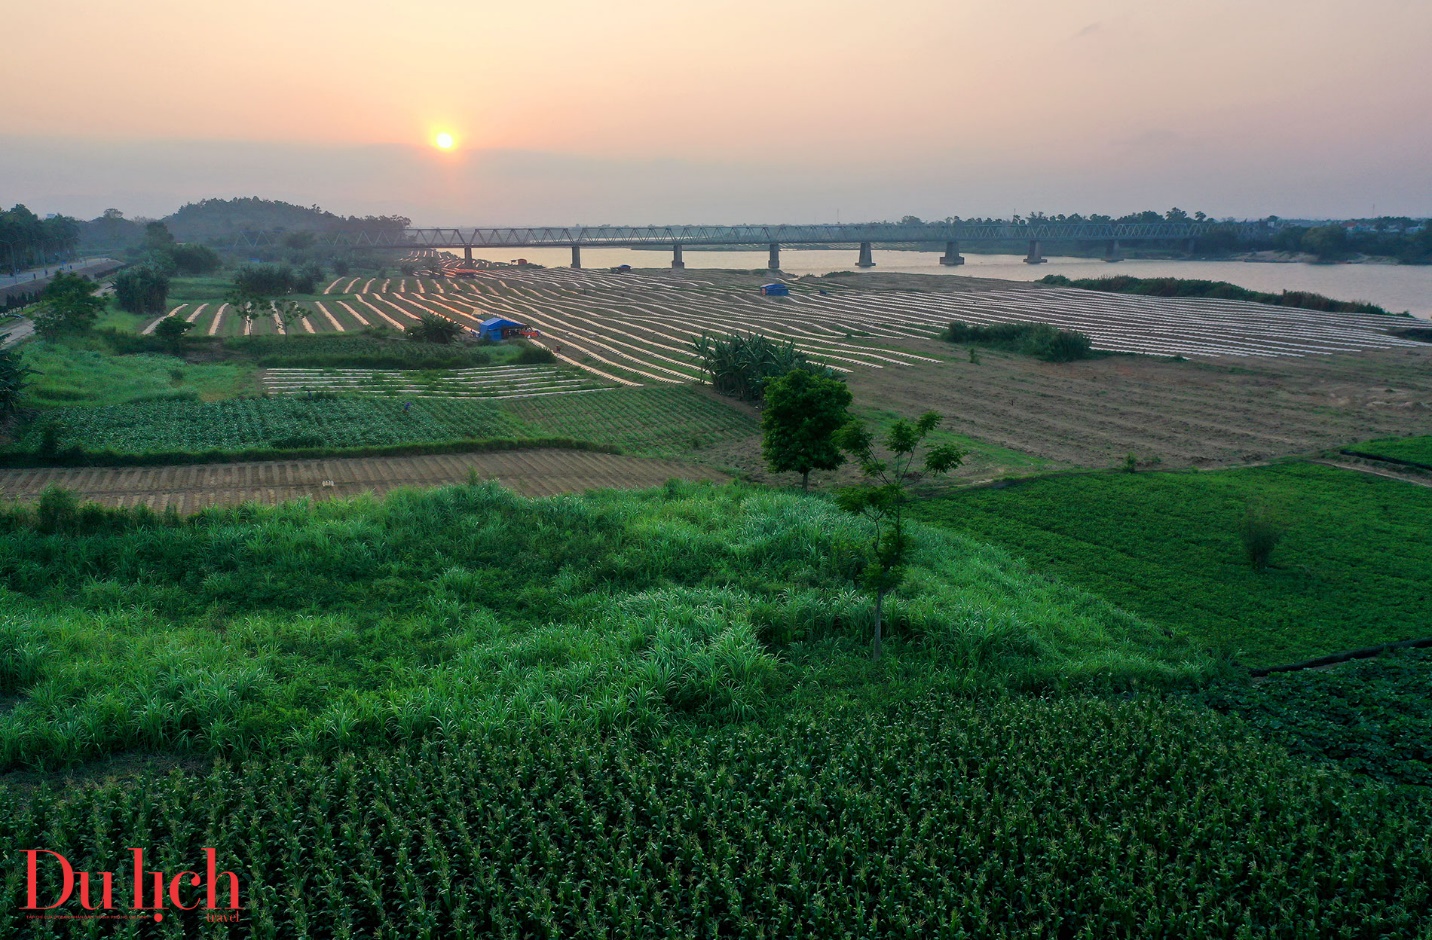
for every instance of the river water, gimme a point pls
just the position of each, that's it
(1395, 287)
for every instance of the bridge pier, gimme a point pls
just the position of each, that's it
(865, 260)
(1192, 246)
(676, 262)
(576, 256)
(467, 253)
(1112, 253)
(773, 262)
(1035, 256)
(952, 255)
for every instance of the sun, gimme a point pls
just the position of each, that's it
(443, 141)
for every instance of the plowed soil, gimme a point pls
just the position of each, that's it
(191, 488)
(1197, 413)
(1201, 413)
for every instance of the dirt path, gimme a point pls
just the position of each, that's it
(1390, 473)
(191, 488)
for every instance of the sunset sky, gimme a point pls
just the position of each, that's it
(724, 111)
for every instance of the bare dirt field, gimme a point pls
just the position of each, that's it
(1195, 413)
(191, 488)
(1201, 413)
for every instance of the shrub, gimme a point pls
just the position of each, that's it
(431, 328)
(1261, 529)
(270, 280)
(1041, 340)
(172, 329)
(740, 366)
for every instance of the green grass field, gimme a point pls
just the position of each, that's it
(469, 607)
(1355, 568)
(80, 373)
(1413, 450)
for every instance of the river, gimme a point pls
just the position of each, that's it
(1395, 287)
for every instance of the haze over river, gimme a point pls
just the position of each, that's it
(1395, 287)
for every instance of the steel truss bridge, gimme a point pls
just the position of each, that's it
(865, 235)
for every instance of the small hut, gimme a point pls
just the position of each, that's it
(499, 328)
(775, 290)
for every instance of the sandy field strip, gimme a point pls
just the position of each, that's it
(191, 488)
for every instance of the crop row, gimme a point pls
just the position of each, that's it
(653, 421)
(236, 424)
(658, 421)
(1001, 818)
(481, 382)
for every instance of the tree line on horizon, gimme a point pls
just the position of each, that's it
(26, 239)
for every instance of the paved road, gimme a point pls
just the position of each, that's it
(14, 330)
(36, 278)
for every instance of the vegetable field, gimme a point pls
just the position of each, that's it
(1354, 569)
(653, 422)
(493, 382)
(1371, 716)
(1003, 818)
(1412, 450)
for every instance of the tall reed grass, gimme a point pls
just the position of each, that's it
(469, 608)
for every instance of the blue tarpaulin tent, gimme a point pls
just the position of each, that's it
(775, 290)
(499, 328)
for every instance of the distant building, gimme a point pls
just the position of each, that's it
(775, 290)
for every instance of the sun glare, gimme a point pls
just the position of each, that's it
(444, 141)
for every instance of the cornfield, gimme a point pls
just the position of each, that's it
(1073, 817)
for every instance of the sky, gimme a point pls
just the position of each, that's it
(721, 111)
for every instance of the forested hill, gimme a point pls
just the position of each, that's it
(212, 219)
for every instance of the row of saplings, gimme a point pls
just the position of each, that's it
(806, 425)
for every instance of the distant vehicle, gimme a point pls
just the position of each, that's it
(622, 269)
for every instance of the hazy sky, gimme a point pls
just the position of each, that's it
(722, 110)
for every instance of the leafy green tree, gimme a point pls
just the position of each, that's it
(67, 305)
(803, 411)
(290, 314)
(195, 259)
(142, 289)
(1326, 241)
(883, 496)
(157, 237)
(249, 305)
(12, 382)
